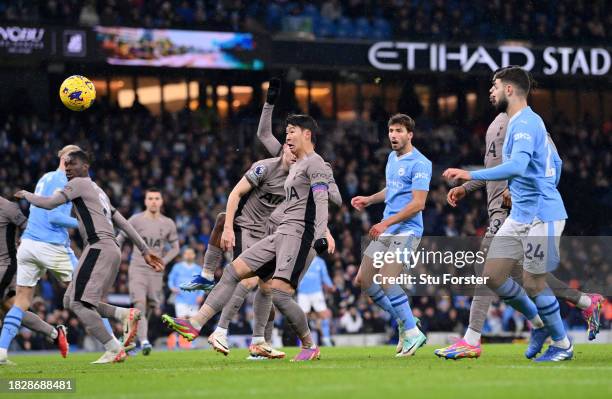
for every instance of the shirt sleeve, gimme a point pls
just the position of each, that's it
(71, 190)
(257, 174)
(172, 239)
(334, 192)
(319, 179)
(16, 217)
(421, 176)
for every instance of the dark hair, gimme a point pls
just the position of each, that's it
(82, 155)
(515, 75)
(153, 190)
(304, 122)
(402, 119)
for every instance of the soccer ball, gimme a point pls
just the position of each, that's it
(77, 93)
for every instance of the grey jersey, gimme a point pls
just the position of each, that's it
(11, 218)
(493, 157)
(159, 234)
(267, 178)
(93, 209)
(306, 190)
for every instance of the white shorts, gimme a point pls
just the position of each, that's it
(536, 244)
(184, 310)
(315, 301)
(391, 243)
(34, 258)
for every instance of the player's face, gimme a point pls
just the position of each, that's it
(189, 255)
(399, 136)
(497, 96)
(288, 157)
(295, 138)
(75, 167)
(153, 202)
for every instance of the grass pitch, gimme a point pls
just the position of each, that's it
(370, 373)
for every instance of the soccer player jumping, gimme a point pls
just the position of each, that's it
(532, 231)
(408, 174)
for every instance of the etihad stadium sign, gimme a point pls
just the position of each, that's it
(440, 57)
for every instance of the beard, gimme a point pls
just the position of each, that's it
(502, 105)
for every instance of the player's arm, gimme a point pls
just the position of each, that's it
(57, 199)
(228, 239)
(172, 283)
(473, 185)
(334, 192)
(361, 202)
(60, 218)
(174, 246)
(556, 160)
(319, 179)
(325, 278)
(264, 129)
(151, 259)
(121, 237)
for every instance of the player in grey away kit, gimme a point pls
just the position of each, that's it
(146, 285)
(498, 205)
(99, 263)
(301, 230)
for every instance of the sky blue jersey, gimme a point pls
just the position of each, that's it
(411, 171)
(50, 226)
(530, 163)
(180, 273)
(315, 277)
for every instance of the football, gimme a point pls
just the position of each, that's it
(77, 93)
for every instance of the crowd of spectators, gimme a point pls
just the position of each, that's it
(196, 162)
(577, 21)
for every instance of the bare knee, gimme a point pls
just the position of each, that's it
(241, 269)
(282, 285)
(249, 283)
(534, 283)
(265, 286)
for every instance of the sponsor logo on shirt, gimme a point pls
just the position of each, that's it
(421, 175)
(522, 136)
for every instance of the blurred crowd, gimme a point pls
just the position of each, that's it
(577, 21)
(196, 161)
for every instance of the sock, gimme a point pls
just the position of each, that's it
(412, 332)
(548, 309)
(472, 337)
(262, 309)
(217, 298)
(584, 302)
(92, 321)
(563, 344)
(110, 311)
(143, 324)
(10, 326)
(268, 331)
(257, 340)
(399, 301)
(221, 330)
(376, 293)
(35, 323)
(325, 328)
(285, 303)
(478, 312)
(232, 308)
(514, 295)
(212, 259)
(113, 345)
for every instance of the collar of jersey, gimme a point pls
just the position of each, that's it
(517, 114)
(406, 155)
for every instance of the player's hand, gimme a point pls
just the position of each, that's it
(456, 174)
(506, 199)
(274, 89)
(331, 243)
(155, 262)
(360, 202)
(377, 230)
(228, 239)
(20, 194)
(455, 195)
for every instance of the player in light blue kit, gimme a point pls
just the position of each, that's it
(311, 297)
(532, 231)
(45, 245)
(408, 174)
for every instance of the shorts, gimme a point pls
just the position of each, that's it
(536, 244)
(145, 285)
(34, 258)
(245, 239)
(314, 300)
(280, 256)
(8, 274)
(377, 249)
(96, 273)
(185, 310)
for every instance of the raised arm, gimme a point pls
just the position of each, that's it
(264, 129)
(57, 199)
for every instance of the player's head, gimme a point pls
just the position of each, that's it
(401, 130)
(61, 154)
(153, 200)
(509, 84)
(77, 164)
(301, 133)
(189, 255)
(288, 157)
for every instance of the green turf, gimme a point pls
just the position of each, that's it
(370, 373)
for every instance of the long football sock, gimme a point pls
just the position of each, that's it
(35, 323)
(376, 293)
(233, 306)
(549, 311)
(212, 259)
(10, 327)
(400, 302)
(514, 295)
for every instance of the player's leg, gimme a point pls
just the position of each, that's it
(138, 286)
(128, 317)
(263, 323)
(95, 275)
(324, 315)
(212, 259)
(154, 284)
